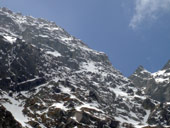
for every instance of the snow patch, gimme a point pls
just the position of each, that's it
(78, 108)
(16, 109)
(60, 105)
(10, 39)
(44, 36)
(89, 67)
(118, 92)
(55, 53)
(161, 72)
(146, 116)
(161, 76)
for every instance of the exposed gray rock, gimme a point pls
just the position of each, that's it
(147, 104)
(156, 84)
(141, 77)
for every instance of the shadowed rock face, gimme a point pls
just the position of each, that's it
(7, 120)
(141, 77)
(19, 63)
(156, 84)
(147, 104)
(39, 49)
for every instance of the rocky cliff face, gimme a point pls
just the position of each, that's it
(157, 84)
(141, 77)
(49, 78)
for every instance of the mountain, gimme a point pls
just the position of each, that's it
(50, 79)
(157, 84)
(141, 77)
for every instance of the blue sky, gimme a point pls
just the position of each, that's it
(130, 32)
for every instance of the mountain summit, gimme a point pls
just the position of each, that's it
(156, 84)
(50, 79)
(140, 77)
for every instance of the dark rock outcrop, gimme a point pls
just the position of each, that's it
(148, 104)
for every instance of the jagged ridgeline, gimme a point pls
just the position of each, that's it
(156, 85)
(50, 79)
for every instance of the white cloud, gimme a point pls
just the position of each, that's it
(148, 9)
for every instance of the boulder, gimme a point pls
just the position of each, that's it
(147, 104)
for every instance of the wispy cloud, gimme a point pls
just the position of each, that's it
(148, 9)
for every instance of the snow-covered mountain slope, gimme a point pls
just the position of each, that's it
(140, 77)
(7, 120)
(50, 79)
(157, 84)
